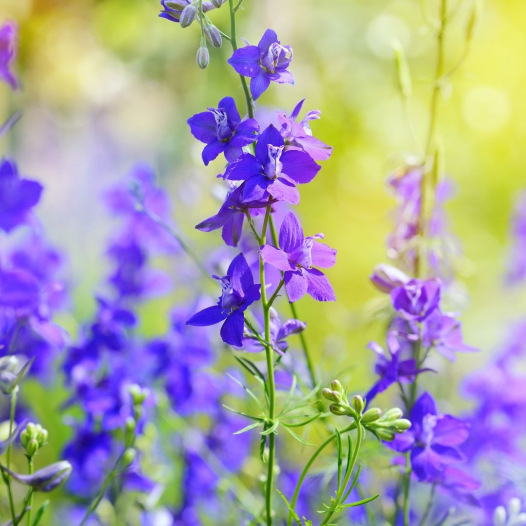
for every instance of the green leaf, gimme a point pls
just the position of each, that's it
(294, 514)
(248, 391)
(40, 512)
(243, 414)
(340, 459)
(298, 438)
(360, 502)
(353, 483)
(248, 428)
(271, 429)
(251, 367)
(290, 393)
(305, 422)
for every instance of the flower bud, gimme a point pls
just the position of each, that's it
(217, 3)
(384, 434)
(401, 425)
(188, 15)
(326, 393)
(130, 425)
(203, 57)
(337, 409)
(8, 363)
(385, 278)
(176, 4)
(45, 479)
(31, 448)
(392, 414)
(138, 394)
(337, 386)
(8, 382)
(213, 35)
(128, 457)
(42, 436)
(358, 404)
(371, 415)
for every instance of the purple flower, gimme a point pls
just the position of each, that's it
(517, 265)
(417, 299)
(8, 44)
(268, 61)
(273, 170)
(390, 369)
(296, 258)
(223, 131)
(299, 134)
(17, 196)
(231, 217)
(239, 292)
(172, 9)
(278, 334)
(432, 440)
(386, 278)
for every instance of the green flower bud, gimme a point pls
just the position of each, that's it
(203, 57)
(31, 448)
(137, 393)
(130, 425)
(45, 479)
(401, 425)
(337, 386)
(129, 456)
(42, 436)
(213, 35)
(337, 409)
(327, 393)
(358, 404)
(371, 415)
(217, 3)
(384, 434)
(392, 414)
(188, 15)
(176, 4)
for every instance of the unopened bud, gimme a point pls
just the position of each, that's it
(42, 436)
(31, 448)
(392, 414)
(384, 434)
(137, 393)
(358, 404)
(402, 71)
(130, 425)
(337, 386)
(202, 57)
(371, 415)
(402, 424)
(188, 15)
(8, 363)
(7, 382)
(213, 35)
(128, 456)
(217, 3)
(337, 409)
(386, 277)
(45, 479)
(176, 4)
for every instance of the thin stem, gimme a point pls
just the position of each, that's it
(307, 467)
(407, 486)
(30, 503)
(7, 477)
(343, 486)
(233, 42)
(429, 506)
(275, 295)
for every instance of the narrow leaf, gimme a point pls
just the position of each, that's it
(294, 514)
(248, 428)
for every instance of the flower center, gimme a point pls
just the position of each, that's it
(223, 130)
(274, 53)
(230, 299)
(302, 256)
(274, 166)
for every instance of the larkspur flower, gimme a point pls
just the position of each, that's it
(223, 131)
(516, 272)
(266, 62)
(272, 170)
(386, 278)
(432, 440)
(299, 134)
(173, 9)
(8, 45)
(296, 258)
(417, 299)
(279, 332)
(17, 196)
(239, 292)
(231, 216)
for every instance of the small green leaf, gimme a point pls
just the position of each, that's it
(40, 512)
(243, 414)
(248, 428)
(294, 514)
(271, 429)
(360, 502)
(248, 391)
(298, 438)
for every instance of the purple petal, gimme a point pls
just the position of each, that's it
(240, 273)
(282, 190)
(299, 166)
(229, 105)
(203, 127)
(276, 258)
(295, 285)
(212, 150)
(232, 330)
(319, 286)
(403, 442)
(217, 221)
(425, 462)
(297, 109)
(245, 61)
(268, 38)
(245, 133)
(244, 168)
(269, 136)
(290, 234)
(322, 255)
(450, 431)
(448, 455)
(317, 149)
(425, 405)
(290, 327)
(255, 189)
(232, 230)
(208, 316)
(285, 76)
(259, 84)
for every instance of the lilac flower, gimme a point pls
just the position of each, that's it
(239, 292)
(517, 264)
(386, 278)
(299, 134)
(417, 299)
(8, 43)
(296, 258)
(17, 196)
(432, 440)
(272, 171)
(223, 131)
(390, 369)
(172, 9)
(278, 334)
(231, 216)
(266, 62)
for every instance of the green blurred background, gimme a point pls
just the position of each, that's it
(107, 83)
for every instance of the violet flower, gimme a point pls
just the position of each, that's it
(239, 292)
(272, 170)
(299, 134)
(516, 272)
(266, 62)
(417, 299)
(8, 45)
(386, 278)
(296, 258)
(432, 440)
(223, 131)
(17, 196)
(172, 9)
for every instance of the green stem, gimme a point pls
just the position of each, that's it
(276, 292)
(343, 486)
(7, 477)
(233, 42)
(303, 340)
(407, 486)
(429, 506)
(307, 467)
(30, 503)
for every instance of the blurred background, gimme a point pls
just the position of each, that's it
(107, 83)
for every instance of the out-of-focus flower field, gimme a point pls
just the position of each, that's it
(106, 88)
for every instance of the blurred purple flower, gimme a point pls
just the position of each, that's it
(517, 263)
(223, 131)
(296, 258)
(172, 9)
(8, 48)
(386, 278)
(417, 299)
(266, 62)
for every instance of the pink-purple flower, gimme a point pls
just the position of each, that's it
(8, 47)
(417, 299)
(265, 63)
(297, 257)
